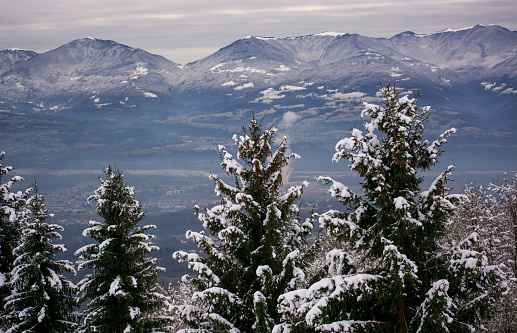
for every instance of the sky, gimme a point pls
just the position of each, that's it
(188, 30)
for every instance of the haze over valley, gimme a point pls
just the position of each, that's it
(67, 113)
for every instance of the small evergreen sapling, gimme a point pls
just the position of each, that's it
(42, 299)
(123, 289)
(254, 249)
(392, 273)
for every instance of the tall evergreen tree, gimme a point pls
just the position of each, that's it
(392, 275)
(12, 210)
(253, 251)
(42, 299)
(123, 289)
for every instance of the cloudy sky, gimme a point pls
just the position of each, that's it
(188, 30)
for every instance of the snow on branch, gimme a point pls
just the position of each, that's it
(339, 191)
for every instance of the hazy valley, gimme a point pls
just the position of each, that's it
(67, 113)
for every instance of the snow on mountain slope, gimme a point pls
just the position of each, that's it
(11, 56)
(472, 51)
(101, 74)
(92, 71)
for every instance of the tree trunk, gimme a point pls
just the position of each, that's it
(400, 321)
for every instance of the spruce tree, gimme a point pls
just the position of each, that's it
(123, 292)
(392, 274)
(253, 251)
(12, 211)
(42, 299)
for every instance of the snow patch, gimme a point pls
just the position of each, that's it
(488, 85)
(246, 85)
(151, 95)
(330, 34)
(229, 83)
(139, 71)
(282, 68)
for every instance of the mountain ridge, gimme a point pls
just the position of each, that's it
(94, 74)
(91, 101)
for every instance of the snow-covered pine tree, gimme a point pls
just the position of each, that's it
(253, 251)
(123, 289)
(12, 210)
(42, 299)
(392, 275)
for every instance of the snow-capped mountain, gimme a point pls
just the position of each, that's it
(466, 69)
(87, 73)
(91, 102)
(469, 70)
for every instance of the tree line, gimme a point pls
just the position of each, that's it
(396, 258)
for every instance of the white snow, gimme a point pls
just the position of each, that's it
(243, 86)
(271, 94)
(238, 69)
(282, 68)
(139, 71)
(509, 91)
(345, 96)
(401, 203)
(488, 85)
(134, 312)
(229, 83)
(330, 33)
(41, 314)
(115, 286)
(148, 94)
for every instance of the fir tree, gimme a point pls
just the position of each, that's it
(42, 299)
(12, 211)
(392, 275)
(253, 251)
(123, 289)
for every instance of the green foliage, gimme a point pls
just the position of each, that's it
(397, 276)
(12, 211)
(256, 244)
(123, 289)
(42, 299)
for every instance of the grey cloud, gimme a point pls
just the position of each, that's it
(184, 30)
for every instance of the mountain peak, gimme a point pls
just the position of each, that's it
(476, 27)
(96, 43)
(330, 33)
(15, 49)
(259, 37)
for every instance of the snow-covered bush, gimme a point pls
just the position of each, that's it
(490, 212)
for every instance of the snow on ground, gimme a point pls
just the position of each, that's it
(246, 85)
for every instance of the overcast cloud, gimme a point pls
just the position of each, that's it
(185, 31)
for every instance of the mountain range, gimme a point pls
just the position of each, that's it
(468, 76)
(474, 63)
(67, 113)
